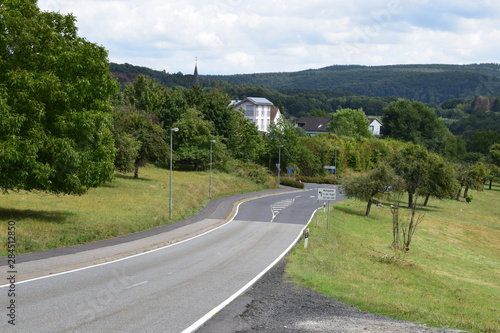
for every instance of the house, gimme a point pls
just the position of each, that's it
(314, 125)
(374, 125)
(259, 111)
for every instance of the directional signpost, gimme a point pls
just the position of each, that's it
(330, 167)
(328, 194)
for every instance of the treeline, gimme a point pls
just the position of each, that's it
(464, 116)
(425, 83)
(335, 87)
(147, 114)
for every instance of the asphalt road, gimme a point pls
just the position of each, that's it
(170, 289)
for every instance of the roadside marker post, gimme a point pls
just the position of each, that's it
(306, 238)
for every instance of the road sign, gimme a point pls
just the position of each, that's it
(331, 167)
(327, 193)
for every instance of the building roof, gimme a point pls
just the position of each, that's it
(274, 113)
(372, 119)
(314, 124)
(253, 100)
(259, 100)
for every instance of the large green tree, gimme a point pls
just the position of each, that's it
(139, 139)
(282, 142)
(416, 122)
(191, 143)
(244, 141)
(349, 122)
(55, 111)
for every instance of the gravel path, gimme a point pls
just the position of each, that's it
(276, 305)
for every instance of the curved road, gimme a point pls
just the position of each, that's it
(171, 289)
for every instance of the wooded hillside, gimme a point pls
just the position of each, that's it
(425, 83)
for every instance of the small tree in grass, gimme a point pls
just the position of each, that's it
(366, 186)
(403, 228)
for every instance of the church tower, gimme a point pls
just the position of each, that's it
(196, 77)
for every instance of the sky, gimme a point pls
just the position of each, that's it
(259, 36)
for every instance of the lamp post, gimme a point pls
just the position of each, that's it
(279, 163)
(210, 187)
(175, 129)
(336, 160)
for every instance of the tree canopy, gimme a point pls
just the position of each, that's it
(349, 122)
(416, 122)
(367, 185)
(55, 110)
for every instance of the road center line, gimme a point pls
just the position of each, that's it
(137, 284)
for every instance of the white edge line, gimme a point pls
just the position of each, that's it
(231, 298)
(142, 253)
(134, 255)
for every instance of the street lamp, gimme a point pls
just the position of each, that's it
(279, 163)
(336, 160)
(210, 187)
(175, 129)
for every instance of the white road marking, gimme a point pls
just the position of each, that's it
(137, 284)
(215, 310)
(279, 206)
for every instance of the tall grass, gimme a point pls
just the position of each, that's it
(449, 278)
(127, 205)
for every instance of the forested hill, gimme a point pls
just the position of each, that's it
(426, 83)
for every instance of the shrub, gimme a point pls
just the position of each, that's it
(255, 172)
(319, 180)
(292, 183)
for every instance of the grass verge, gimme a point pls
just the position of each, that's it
(127, 205)
(454, 279)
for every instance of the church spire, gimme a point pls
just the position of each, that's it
(196, 78)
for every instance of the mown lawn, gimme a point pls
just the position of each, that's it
(449, 278)
(127, 205)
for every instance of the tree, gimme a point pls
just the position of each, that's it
(415, 122)
(281, 137)
(244, 141)
(366, 186)
(139, 139)
(440, 180)
(481, 141)
(495, 154)
(55, 110)
(493, 174)
(191, 143)
(349, 122)
(476, 177)
(214, 106)
(146, 94)
(411, 164)
(470, 177)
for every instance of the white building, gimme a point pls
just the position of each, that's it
(374, 126)
(259, 111)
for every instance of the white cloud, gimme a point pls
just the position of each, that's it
(235, 36)
(240, 59)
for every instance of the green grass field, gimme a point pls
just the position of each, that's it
(127, 205)
(454, 277)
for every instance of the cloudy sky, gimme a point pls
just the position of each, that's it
(237, 36)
